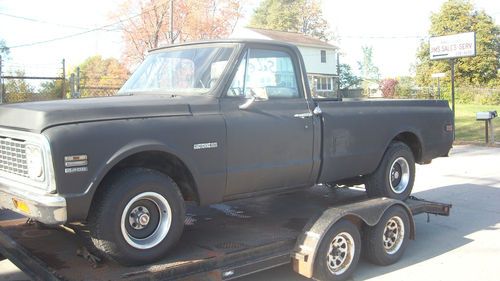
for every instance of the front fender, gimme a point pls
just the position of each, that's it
(107, 143)
(79, 204)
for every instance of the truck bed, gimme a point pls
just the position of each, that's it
(359, 131)
(220, 242)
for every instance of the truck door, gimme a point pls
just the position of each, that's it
(269, 124)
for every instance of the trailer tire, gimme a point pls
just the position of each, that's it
(137, 217)
(395, 174)
(386, 242)
(338, 253)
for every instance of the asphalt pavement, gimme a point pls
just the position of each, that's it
(464, 246)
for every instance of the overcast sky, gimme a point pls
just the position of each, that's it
(393, 27)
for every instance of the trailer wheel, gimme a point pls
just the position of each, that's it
(387, 241)
(338, 253)
(395, 174)
(137, 217)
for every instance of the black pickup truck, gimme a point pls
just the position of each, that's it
(204, 122)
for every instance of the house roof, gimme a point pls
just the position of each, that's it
(293, 37)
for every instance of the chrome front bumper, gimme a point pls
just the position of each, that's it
(46, 208)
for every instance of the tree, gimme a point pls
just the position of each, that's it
(405, 87)
(289, 15)
(51, 90)
(18, 90)
(192, 20)
(367, 68)
(346, 78)
(98, 72)
(369, 72)
(4, 50)
(456, 16)
(388, 87)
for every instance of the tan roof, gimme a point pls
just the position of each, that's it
(293, 37)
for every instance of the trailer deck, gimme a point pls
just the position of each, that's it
(220, 242)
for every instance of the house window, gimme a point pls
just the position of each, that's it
(323, 56)
(324, 84)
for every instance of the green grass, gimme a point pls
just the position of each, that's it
(467, 128)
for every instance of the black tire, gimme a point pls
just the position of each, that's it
(386, 242)
(389, 180)
(324, 270)
(129, 219)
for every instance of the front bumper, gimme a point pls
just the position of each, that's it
(46, 208)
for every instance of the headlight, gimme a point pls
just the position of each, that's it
(34, 159)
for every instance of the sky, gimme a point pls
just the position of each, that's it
(394, 28)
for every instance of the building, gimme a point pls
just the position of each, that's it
(320, 58)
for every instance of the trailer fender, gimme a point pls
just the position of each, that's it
(369, 212)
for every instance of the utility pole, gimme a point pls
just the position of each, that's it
(339, 95)
(63, 94)
(452, 65)
(1, 81)
(171, 28)
(439, 89)
(78, 80)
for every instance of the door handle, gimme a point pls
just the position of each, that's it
(303, 115)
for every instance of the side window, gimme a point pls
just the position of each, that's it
(268, 74)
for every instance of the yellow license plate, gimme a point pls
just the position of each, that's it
(21, 206)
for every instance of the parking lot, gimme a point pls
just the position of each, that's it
(464, 246)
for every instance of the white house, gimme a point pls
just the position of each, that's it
(320, 57)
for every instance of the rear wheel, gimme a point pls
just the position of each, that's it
(387, 241)
(338, 253)
(137, 217)
(395, 174)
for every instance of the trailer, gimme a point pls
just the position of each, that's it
(320, 231)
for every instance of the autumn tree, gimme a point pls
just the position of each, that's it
(51, 90)
(192, 20)
(302, 16)
(457, 16)
(388, 87)
(98, 72)
(18, 90)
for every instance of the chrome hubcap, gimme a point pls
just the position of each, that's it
(399, 175)
(139, 217)
(340, 253)
(146, 220)
(393, 236)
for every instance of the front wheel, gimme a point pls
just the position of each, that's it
(137, 216)
(395, 174)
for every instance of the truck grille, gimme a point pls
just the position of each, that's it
(13, 156)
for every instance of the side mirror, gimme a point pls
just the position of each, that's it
(255, 94)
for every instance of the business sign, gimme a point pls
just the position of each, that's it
(438, 75)
(453, 46)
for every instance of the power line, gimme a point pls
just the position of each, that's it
(42, 21)
(383, 37)
(59, 38)
(87, 31)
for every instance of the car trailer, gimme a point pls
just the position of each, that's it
(320, 231)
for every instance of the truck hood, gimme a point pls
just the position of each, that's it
(37, 116)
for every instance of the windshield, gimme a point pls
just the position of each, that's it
(186, 70)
